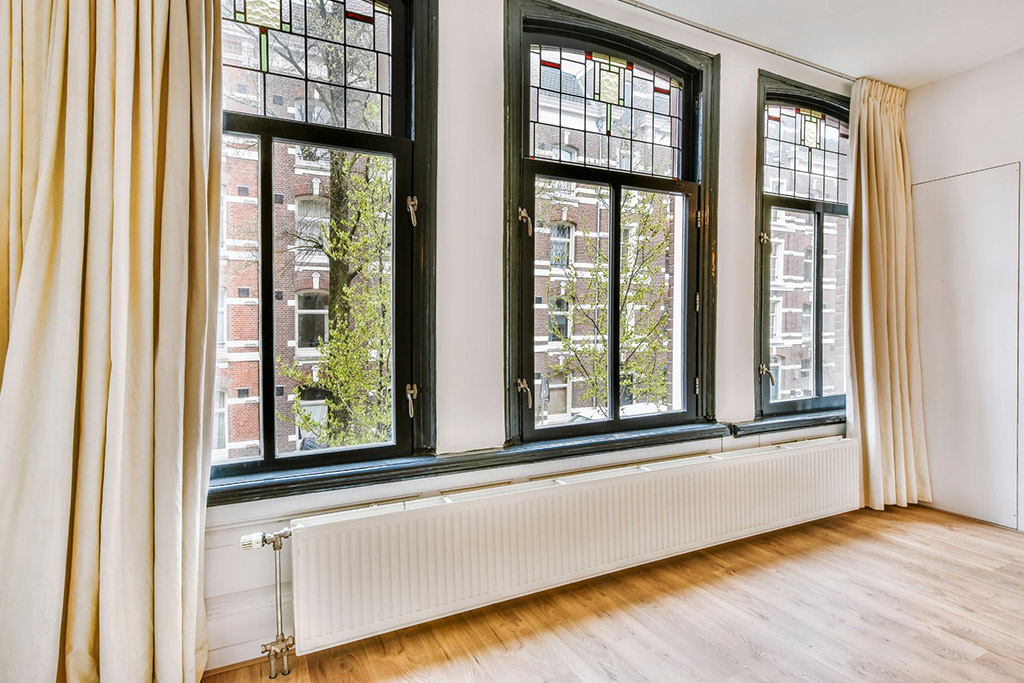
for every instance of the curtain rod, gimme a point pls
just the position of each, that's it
(736, 39)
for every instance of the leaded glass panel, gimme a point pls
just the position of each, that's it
(598, 110)
(318, 61)
(805, 154)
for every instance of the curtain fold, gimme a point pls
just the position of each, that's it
(885, 399)
(109, 157)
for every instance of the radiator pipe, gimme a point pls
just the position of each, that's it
(281, 645)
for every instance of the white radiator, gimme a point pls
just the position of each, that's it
(370, 570)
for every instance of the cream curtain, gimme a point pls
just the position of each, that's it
(885, 400)
(109, 157)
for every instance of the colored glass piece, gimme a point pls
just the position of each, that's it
(264, 12)
(610, 86)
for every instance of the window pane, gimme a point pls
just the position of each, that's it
(333, 233)
(237, 389)
(833, 325)
(571, 314)
(652, 287)
(616, 102)
(792, 336)
(312, 330)
(812, 143)
(220, 428)
(337, 73)
(312, 302)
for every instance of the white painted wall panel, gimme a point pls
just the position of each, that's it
(966, 123)
(967, 236)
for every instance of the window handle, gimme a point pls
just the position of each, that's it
(765, 239)
(763, 370)
(524, 217)
(411, 392)
(412, 203)
(522, 385)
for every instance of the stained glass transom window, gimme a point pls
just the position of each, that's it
(319, 61)
(598, 110)
(805, 154)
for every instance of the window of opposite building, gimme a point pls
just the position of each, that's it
(610, 171)
(803, 195)
(320, 162)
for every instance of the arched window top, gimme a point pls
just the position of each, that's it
(805, 153)
(599, 110)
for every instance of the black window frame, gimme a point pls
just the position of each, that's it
(542, 22)
(412, 143)
(775, 89)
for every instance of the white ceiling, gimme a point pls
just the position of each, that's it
(903, 42)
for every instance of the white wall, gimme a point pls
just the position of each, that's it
(961, 126)
(470, 321)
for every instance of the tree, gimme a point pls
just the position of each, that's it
(645, 298)
(354, 373)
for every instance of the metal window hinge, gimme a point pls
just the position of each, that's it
(763, 370)
(697, 303)
(521, 386)
(412, 204)
(524, 217)
(411, 392)
(699, 214)
(696, 385)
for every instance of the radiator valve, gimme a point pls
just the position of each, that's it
(260, 538)
(281, 645)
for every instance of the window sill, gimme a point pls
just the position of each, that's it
(780, 423)
(250, 487)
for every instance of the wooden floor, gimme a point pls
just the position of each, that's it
(904, 595)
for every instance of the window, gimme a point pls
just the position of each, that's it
(319, 143)
(222, 318)
(611, 154)
(559, 320)
(220, 421)
(803, 190)
(316, 412)
(561, 244)
(311, 321)
(776, 263)
(312, 227)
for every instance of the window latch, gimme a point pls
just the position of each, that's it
(412, 203)
(411, 392)
(524, 217)
(764, 238)
(521, 386)
(763, 370)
